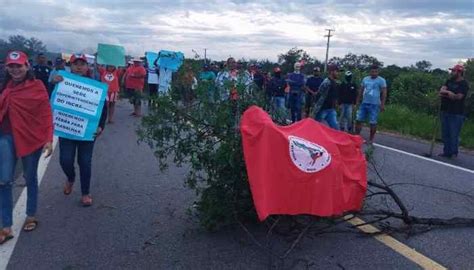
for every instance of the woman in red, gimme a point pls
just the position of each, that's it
(111, 75)
(26, 129)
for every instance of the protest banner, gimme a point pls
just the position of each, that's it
(152, 74)
(77, 104)
(113, 55)
(170, 60)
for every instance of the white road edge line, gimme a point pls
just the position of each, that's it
(425, 158)
(19, 215)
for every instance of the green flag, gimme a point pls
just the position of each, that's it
(113, 55)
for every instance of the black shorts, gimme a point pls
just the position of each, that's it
(134, 96)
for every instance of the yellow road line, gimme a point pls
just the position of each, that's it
(399, 247)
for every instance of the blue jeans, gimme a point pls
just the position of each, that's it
(346, 117)
(295, 101)
(8, 161)
(67, 156)
(330, 116)
(451, 125)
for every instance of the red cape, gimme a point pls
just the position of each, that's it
(27, 106)
(304, 168)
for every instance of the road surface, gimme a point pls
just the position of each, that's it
(139, 219)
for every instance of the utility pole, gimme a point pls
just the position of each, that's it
(205, 55)
(327, 48)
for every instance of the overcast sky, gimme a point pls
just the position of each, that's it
(395, 31)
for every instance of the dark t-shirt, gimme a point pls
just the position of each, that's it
(42, 73)
(276, 87)
(348, 93)
(313, 83)
(455, 106)
(331, 98)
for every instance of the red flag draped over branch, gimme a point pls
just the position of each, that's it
(304, 168)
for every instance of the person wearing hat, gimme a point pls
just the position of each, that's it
(276, 89)
(326, 98)
(84, 149)
(26, 130)
(59, 64)
(134, 83)
(371, 97)
(347, 100)
(296, 81)
(312, 86)
(453, 95)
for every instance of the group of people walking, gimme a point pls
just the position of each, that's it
(26, 123)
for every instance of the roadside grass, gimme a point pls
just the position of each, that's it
(400, 119)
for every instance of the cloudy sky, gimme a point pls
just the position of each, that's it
(395, 31)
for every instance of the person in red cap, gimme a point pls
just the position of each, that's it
(276, 89)
(134, 83)
(26, 130)
(84, 149)
(327, 97)
(453, 94)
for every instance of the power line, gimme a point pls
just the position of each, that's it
(327, 48)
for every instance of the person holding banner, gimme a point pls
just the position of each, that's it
(134, 83)
(26, 130)
(111, 75)
(84, 149)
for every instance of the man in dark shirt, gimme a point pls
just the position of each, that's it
(312, 86)
(42, 70)
(347, 100)
(327, 96)
(276, 88)
(453, 94)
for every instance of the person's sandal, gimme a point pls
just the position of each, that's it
(86, 200)
(68, 188)
(30, 225)
(4, 237)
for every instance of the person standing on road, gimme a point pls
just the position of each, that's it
(208, 77)
(111, 76)
(296, 81)
(326, 98)
(84, 149)
(26, 130)
(453, 94)
(58, 65)
(373, 94)
(134, 83)
(347, 100)
(276, 88)
(312, 86)
(42, 70)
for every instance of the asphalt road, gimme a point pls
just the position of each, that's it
(139, 219)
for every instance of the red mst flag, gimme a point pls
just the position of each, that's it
(304, 168)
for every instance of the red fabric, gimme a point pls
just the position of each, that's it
(132, 82)
(28, 109)
(279, 186)
(111, 79)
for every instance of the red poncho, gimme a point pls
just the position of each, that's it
(304, 168)
(28, 109)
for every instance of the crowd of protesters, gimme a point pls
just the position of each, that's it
(26, 125)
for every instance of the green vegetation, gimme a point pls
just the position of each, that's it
(408, 122)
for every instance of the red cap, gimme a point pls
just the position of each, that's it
(78, 56)
(17, 57)
(458, 67)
